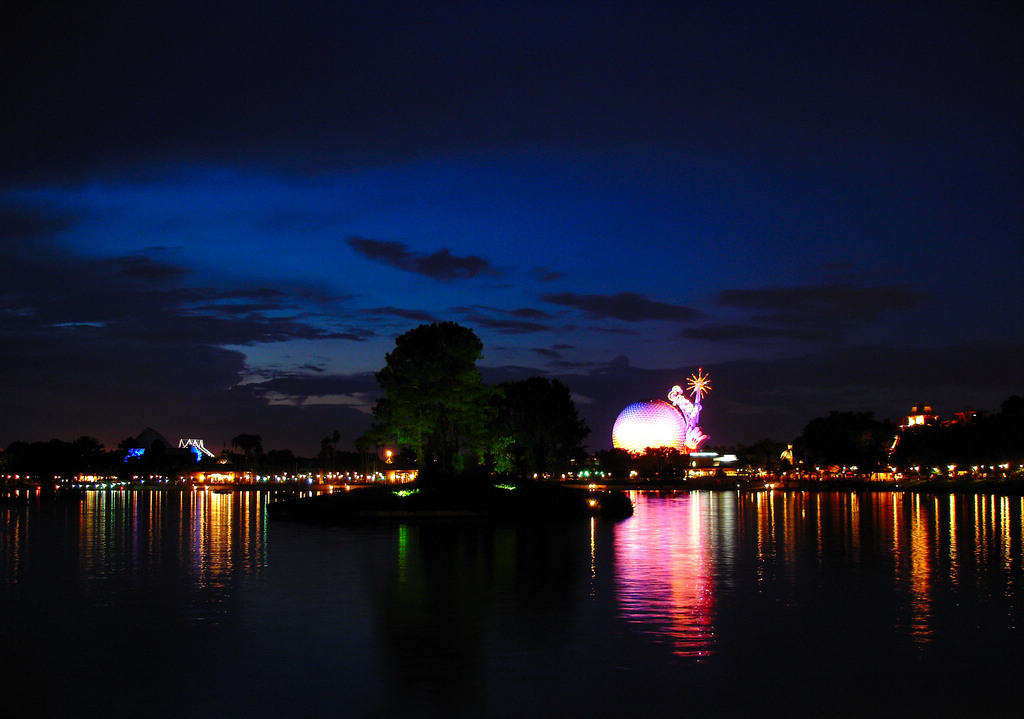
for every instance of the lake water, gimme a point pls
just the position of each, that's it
(192, 604)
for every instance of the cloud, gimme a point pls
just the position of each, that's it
(839, 303)
(415, 315)
(372, 91)
(545, 352)
(755, 398)
(752, 333)
(18, 224)
(523, 320)
(147, 269)
(507, 326)
(545, 275)
(126, 338)
(814, 313)
(627, 306)
(358, 390)
(530, 312)
(441, 265)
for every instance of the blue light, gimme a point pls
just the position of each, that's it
(135, 453)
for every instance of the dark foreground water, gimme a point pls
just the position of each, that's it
(168, 604)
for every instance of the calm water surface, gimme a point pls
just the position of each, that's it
(191, 604)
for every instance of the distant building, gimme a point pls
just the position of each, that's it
(216, 471)
(920, 415)
(968, 416)
(148, 437)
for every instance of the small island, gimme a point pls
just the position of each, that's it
(480, 452)
(481, 499)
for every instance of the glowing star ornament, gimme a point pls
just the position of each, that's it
(699, 384)
(656, 423)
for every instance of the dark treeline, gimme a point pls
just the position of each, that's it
(981, 441)
(86, 455)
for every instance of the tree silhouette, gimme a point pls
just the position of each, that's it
(845, 439)
(538, 427)
(329, 450)
(434, 399)
(251, 445)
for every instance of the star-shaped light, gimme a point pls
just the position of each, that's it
(699, 384)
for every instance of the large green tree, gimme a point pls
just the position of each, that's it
(538, 429)
(434, 398)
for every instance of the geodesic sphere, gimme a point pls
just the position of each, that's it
(652, 423)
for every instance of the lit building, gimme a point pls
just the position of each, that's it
(920, 415)
(651, 423)
(217, 471)
(657, 423)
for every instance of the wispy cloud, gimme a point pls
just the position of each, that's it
(753, 333)
(18, 224)
(842, 303)
(441, 265)
(147, 269)
(522, 320)
(813, 313)
(627, 306)
(405, 314)
(546, 275)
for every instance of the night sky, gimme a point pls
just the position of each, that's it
(215, 218)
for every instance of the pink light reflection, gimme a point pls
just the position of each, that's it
(665, 573)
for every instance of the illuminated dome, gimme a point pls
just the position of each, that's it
(653, 423)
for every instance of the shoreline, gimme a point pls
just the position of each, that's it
(1012, 487)
(1007, 486)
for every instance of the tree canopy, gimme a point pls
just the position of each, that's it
(434, 398)
(537, 429)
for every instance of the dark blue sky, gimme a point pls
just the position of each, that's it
(216, 217)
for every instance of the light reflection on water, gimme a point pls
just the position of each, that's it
(694, 590)
(205, 540)
(666, 560)
(677, 554)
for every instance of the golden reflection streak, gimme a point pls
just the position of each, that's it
(954, 562)
(789, 546)
(1005, 540)
(920, 574)
(855, 523)
(16, 523)
(979, 532)
(123, 532)
(593, 556)
(819, 539)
